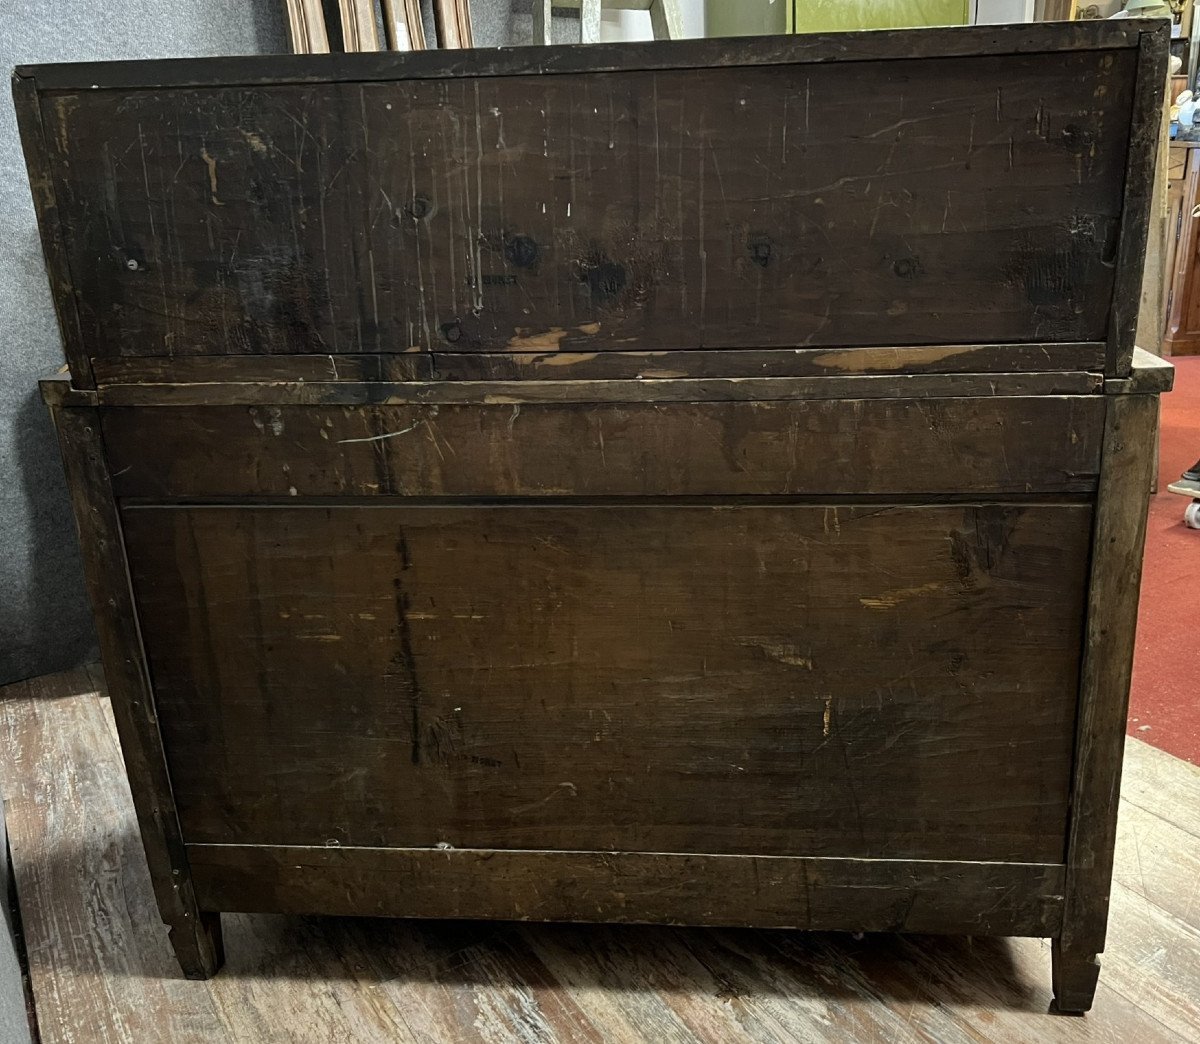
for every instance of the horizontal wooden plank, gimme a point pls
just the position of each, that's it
(822, 500)
(864, 446)
(914, 201)
(711, 389)
(829, 894)
(766, 679)
(649, 389)
(555, 366)
(1150, 375)
(599, 58)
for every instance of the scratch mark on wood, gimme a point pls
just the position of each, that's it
(211, 163)
(859, 360)
(891, 599)
(388, 435)
(783, 652)
(403, 662)
(562, 788)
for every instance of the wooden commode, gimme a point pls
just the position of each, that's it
(697, 482)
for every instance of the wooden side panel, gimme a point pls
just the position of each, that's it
(1116, 573)
(196, 936)
(858, 681)
(28, 107)
(1148, 126)
(886, 895)
(931, 201)
(862, 446)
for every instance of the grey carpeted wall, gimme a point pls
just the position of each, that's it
(45, 623)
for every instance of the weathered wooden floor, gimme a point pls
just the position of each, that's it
(102, 969)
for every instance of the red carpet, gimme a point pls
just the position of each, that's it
(1164, 706)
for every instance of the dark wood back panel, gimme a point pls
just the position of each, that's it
(953, 198)
(779, 679)
(537, 449)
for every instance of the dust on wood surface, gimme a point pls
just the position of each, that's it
(853, 447)
(929, 201)
(506, 676)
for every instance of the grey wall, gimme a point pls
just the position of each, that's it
(45, 624)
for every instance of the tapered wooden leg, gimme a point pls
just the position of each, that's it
(194, 933)
(198, 946)
(1075, 976)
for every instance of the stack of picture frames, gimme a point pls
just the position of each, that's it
(375, 25)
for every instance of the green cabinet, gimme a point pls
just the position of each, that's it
(756, 17)
(819, 16)
(746, 17)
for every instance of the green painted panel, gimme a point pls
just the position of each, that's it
(745, 17)
(819, 16)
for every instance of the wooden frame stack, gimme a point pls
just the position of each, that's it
(403, 29)
(403, 26)
(453, 18)
(360, 30)
(306, 21)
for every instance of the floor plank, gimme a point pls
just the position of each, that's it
(1157, 782)
(102, 970)
(1159, 862)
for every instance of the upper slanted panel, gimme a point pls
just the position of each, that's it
(804, 194)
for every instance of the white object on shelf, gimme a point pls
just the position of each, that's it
(999, 12)
(604, 20)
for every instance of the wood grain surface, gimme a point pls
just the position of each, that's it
(807, 48)
(991, 359)
(1131, 427)
(924, 201)
(196, 935)
(1148, 128)
(974, 898)
(103, 971)
(852, 447)
(652, 389)
(607, 644)
(781, 682)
